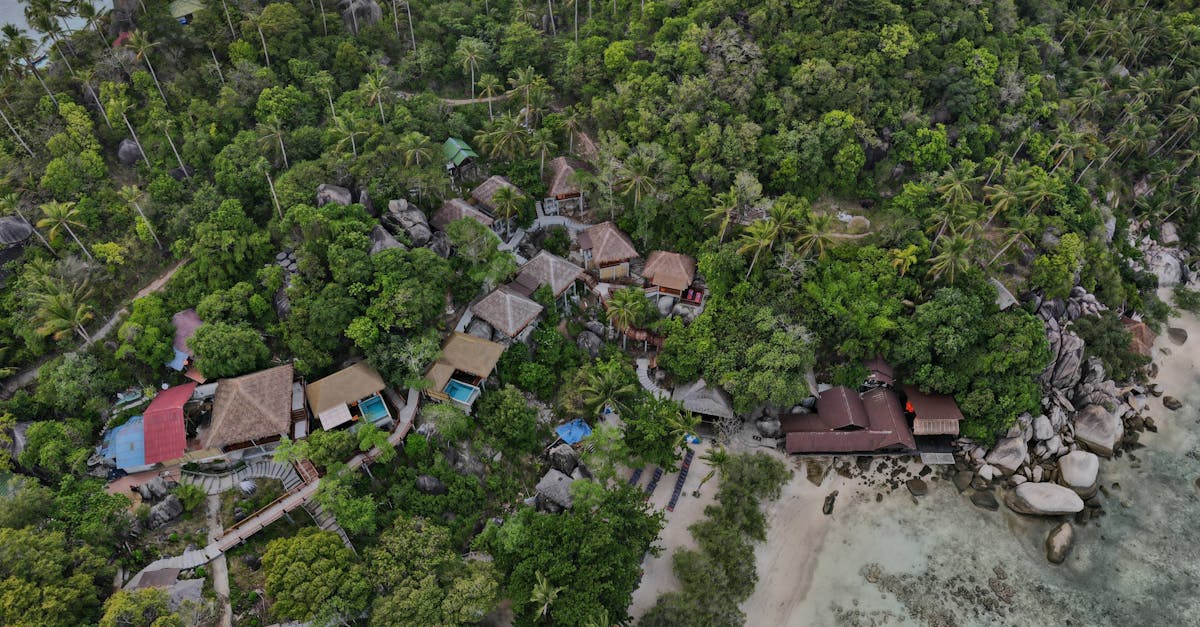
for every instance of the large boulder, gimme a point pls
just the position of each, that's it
(154, 489)
(769, 428)
(428, 484)
(1066, 351)
(335, 194)
(1166, 264)
(440, 244)
(359, 14)
(1043, 499)
(128, 152)
(590, 343)
(364, 199)
(1058, 542)
(1042, 429)
(169, 509)
(1099, 429)
(381, 240)
(410, 219)
(479, 328)
(1009, 454)
(555, 488)
(665, 305)
(564, 458)
(1080, 471)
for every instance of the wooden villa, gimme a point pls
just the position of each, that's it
(562, 189)
(550, 270)
(349, 396)
(457, 209)
(458, 375)
(847, 422)
(251, 411)
(460, 157)
(607, 250)
(670, 274)
(933, 414)
(507, 311)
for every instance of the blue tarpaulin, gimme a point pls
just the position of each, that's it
(179, 362)
(126, 444)
(573, 431)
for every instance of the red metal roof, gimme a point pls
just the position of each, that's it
(165, 434)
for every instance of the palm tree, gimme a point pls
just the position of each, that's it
(489, 88)
(62, 216)
(11, 203)
(119, 107)
(468, 54)
(541, 145)
(46, 23)
(375, 88)
(1014, 236)
(166, 129)
(64, 311)
(85, 77)
(141, 46)
(637, 176)
(504, 137)
(1001, 197)
(544, 594)
(527, 84)
(957, 184)
(625, 308)
(4, 69)
(605, 387)
(722, 211)
(346, 130)
(758, 237)
(680, 424)
(601, 620)
(789, 217)
(718, 460)
(91, 14)
(132, 195)
(273, 133)
(508, 204)
(1040, 189)
(19, 45)
(415, 147)
(904, 258)
(1068, 146)
(954, 258)
(265, 168)
(817, 235)
(323, 82)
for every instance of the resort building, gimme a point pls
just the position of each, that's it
(186, 322)
(563, 193)
(607, 250)
(670, 274)
(879, 373)
(458, 376)
(158, 436)
(507, 311)
(550, 270)
(484, 195)
(709, 402)
(847, 422)
(933, 414)
(460, 157)
(457, 209)
(251, 412)
(349, 396)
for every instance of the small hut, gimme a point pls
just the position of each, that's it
(484, 195)
(551, 270)
(607, 250)
(507, 311)
(460, 157)
(709, 402)
(457, 209)
(562, 190)
(669, 273)
(933, 414)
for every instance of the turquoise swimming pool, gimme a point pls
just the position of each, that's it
(461, 392)
(373, 409)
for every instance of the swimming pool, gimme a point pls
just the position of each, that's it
(373, 408)
(461, 392)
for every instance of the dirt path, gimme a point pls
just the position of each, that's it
(29, 375)
(458, 102)
(220, 568)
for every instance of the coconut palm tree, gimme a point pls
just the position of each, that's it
(323, 82)
(20, 46)
(64, 311)
(954, 258)
(140, 43)
(5, 77)
(264, 167)
(789, 217)
(61, 216)
(89, 12)
(507, 202)
(48, 24)
(1014, 236)
(12, 203)
(1001, 197)
(132, 197)
(503, 138)
(489, 88)
(375, 88)
(957, 185)
(724, 205)
(758, 237)
(542, 144)
(85, 77)
(166, 129)
(272, 133)
(469, 53)
(718, 460)
(605, 387)
(624, 309)
(637, 177)
(345, 129)
(816, 235)
(544, 594)
(416, 147)
(528, 85)
(904, 258)
(118, 107)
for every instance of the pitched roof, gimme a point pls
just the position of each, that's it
(607, 243)
(457, 209)
(186, 322)
(457, 151)
(547, 269)
(252, 407)
(559, 180)
(165, 433)
(14, 230)
(701, 398)
(670, 270)
(887, 417)
(342, 387)
(833, 441)
(507, 311)
(936, 414)
(842, 408)
(487, 189)
(467, 353)
(880, 370)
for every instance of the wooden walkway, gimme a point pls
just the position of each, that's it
(298, 497)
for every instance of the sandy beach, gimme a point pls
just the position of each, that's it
(897, 559)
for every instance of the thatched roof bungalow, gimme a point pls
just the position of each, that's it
(607, 249)
(457, 209)
(671, 273)
(348, 395)
(483, 195)
(507, 311)
(459, 373)
(546, 269)
(251, 410)
(699, 397)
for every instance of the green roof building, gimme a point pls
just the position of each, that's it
(182, 9)
(458, 152)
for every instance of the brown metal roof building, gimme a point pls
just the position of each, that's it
(846, 422)
(457, 209)
(879, 371)
(669, 272)
(934, 414)
(251, 409)
(507, 311)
